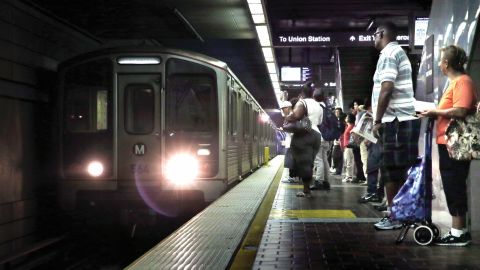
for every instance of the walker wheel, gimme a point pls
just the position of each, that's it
(423, 235)
(435, 230)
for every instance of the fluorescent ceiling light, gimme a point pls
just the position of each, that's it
(263, 35)
(139, 60)
(274, 77)
(255, 8)
(271, 68)
(267, 54)
(254, 1)
(258, 18)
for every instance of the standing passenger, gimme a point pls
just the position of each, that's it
(337, 152)
(321, 160)
(348, 160)
(360, 174)
(457, 101)
(304, 146)
(286, 109)
(393, 111)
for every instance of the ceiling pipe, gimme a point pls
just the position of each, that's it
(187, 24)
(370, 24)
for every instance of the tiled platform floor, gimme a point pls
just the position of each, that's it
(328, 240)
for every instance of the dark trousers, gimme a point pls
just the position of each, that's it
(454, 179)
(337, 159)
(372, 181)
(358, 164)
(330, 156)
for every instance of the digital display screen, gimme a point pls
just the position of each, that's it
(295, 74)
(291, 74)
(421, 25)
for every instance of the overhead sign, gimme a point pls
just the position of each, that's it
(342, 39)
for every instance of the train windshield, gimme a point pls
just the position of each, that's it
(191, 97)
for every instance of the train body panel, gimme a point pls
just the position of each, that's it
(151, 121)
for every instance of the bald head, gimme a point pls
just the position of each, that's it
(389, 30)
(386, 33)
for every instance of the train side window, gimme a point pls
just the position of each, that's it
(102, 106)
(233, 114)
(87, 95)
(235, 121)
(254, 122)
(246, 120)
(139, 108)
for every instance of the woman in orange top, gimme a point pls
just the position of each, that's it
(456, 102)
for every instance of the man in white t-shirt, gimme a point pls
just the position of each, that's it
(321, 167)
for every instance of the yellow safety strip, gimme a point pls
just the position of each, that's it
(245, 256)
(324, 213)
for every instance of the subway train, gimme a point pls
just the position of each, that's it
(149, 127)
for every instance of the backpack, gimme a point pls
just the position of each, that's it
(329, 127)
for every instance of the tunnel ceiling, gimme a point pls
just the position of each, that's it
(225, 26)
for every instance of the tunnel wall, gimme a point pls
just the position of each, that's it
(452, 22)
(31, 45)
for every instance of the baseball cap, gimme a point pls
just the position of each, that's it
(285, 104)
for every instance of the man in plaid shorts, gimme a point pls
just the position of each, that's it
(395, 122)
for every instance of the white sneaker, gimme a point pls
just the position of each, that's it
(387, 224)
(332, 170)
(288, 180)
(347, 180)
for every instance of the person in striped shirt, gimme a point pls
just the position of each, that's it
(396, 125)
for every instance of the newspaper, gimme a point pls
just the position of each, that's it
(364, 127)
(421, 106)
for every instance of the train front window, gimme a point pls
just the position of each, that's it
(139, 108)
(191, 97)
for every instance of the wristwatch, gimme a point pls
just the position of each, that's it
(377, 122)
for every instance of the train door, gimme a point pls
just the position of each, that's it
(139, 137)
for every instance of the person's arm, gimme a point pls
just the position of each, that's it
(447, 113)
(298, 112)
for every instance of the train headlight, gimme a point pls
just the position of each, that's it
(181, 169)
(95, 168)
(203, 152)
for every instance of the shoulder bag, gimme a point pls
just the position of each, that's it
(300, 126)
(463, 137)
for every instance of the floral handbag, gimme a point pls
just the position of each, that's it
(463, 137)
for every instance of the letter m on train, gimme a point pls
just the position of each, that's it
(139, 149)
